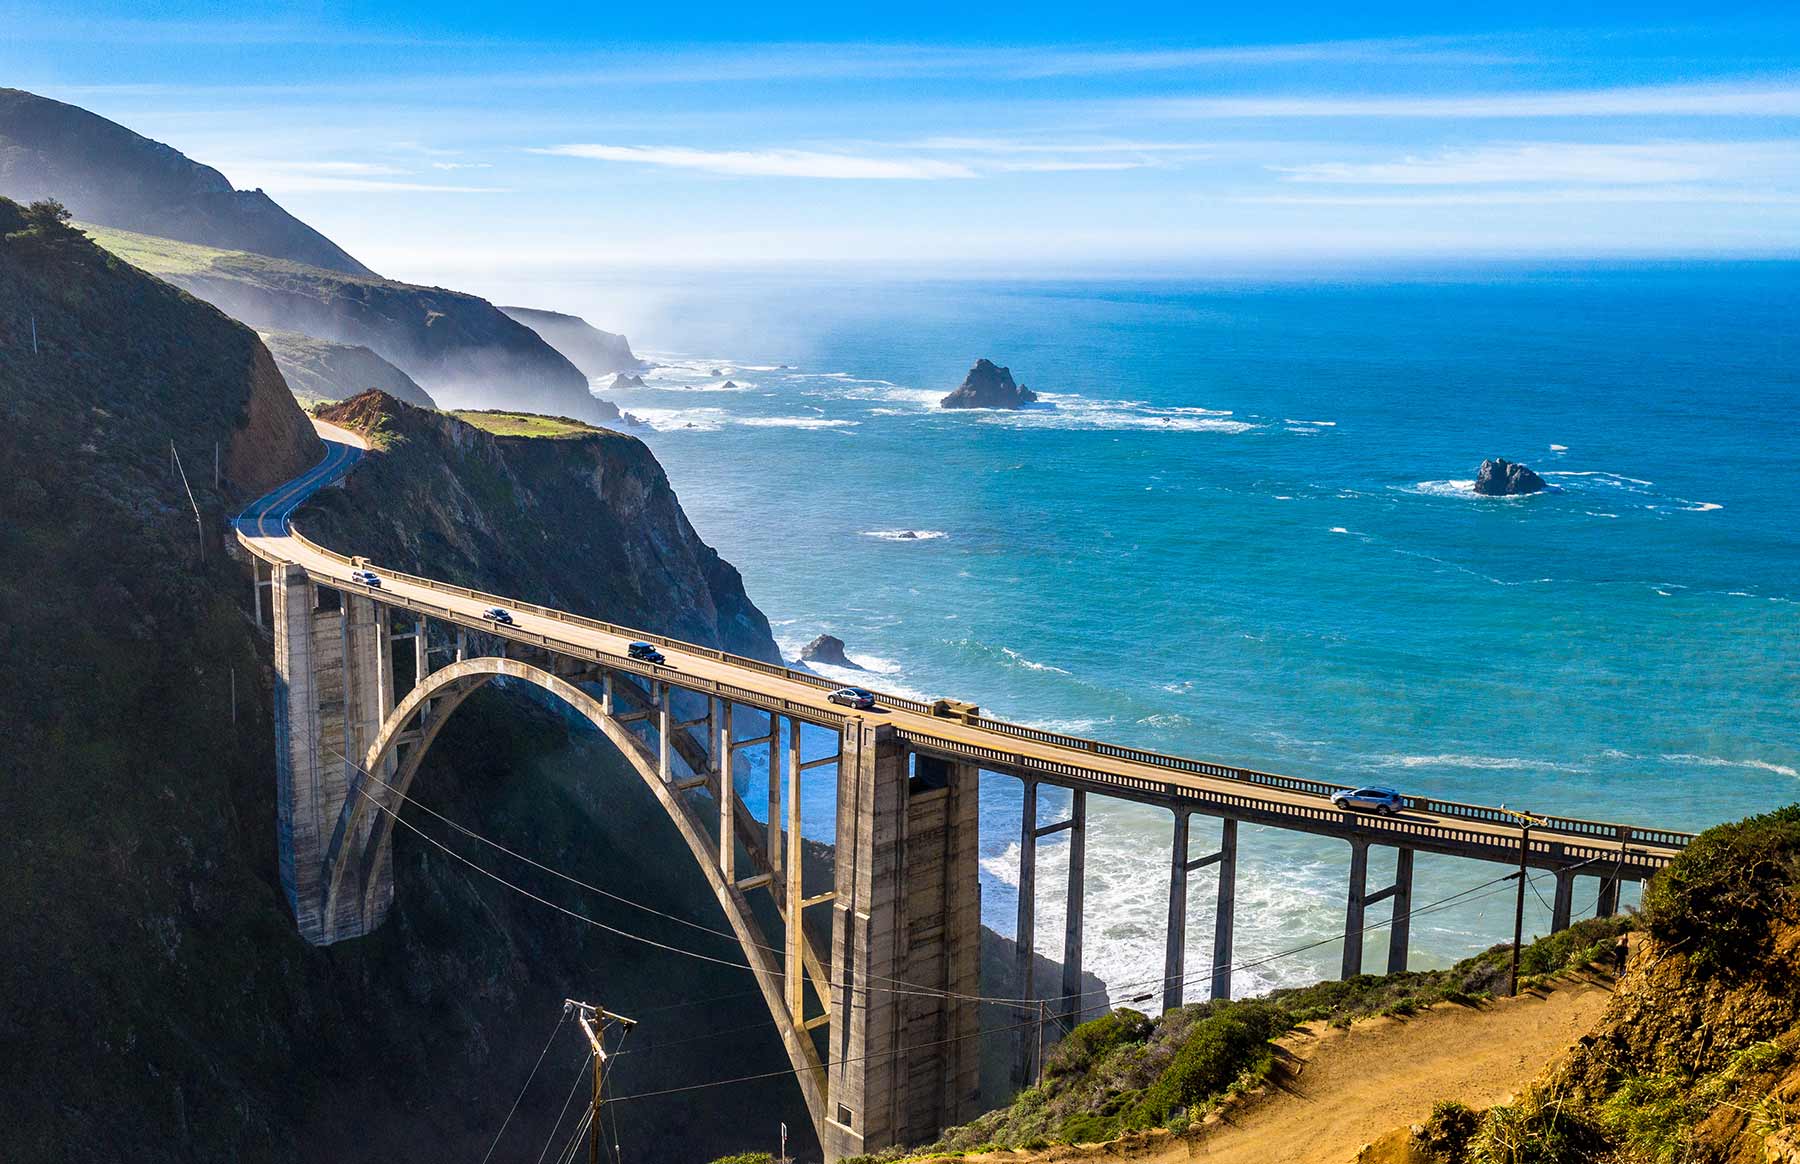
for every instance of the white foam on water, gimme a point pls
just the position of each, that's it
(1602, 477)
(1064, 410)
(899, 535)
(1703, 507)
(678, 419)
(802, 422)
(1721, 762)
(1559, 448)
(1338, 529)
(1019, 660)
(1479, 763)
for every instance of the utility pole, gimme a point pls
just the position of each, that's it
(34, 347)
(593, 1023)
(1526, 820)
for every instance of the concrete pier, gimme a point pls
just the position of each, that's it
(907, 910)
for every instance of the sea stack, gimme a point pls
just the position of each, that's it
(623, 380)
(829, 650)
(1500, 477)
(989, 386)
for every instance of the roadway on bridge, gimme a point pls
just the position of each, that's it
(264, 525)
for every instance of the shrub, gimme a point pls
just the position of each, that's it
(1090, 1042)
(750, 1158)
(1718, 899)
(1218, 1049)
(1446, 1134)
(1534, 1130)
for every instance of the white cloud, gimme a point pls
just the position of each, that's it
(462, 165)
(1561, 163)
(1771, 99)
(775, 163)
(1557, 196)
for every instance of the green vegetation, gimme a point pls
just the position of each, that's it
(1719, 901)
(526, 424)
(746, 1158)
(160, 256)
(1699, 1059)
(1125, 1072)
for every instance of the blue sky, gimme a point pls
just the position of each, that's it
(438, 140)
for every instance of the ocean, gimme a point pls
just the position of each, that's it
(1240, 527)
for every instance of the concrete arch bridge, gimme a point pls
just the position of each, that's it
(873, 980)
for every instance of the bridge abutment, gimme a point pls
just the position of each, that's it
(904, 1060)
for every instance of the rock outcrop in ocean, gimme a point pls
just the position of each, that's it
(989, 386)
(627, 380)
(829, 650)
(1500, 477)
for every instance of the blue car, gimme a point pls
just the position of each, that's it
(1377, 798)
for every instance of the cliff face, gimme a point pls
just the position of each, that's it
(459, 347)
(317, 369)
(587, 523)
(107, 174)
(595, 352)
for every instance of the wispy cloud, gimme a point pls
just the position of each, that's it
(1765, 99)
(1563, 196)
(287, 176)
(770, 163)
(1562, 163)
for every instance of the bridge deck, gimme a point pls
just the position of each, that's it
(1480, 831)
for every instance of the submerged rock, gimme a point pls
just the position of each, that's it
(907, 535)
(728, 386)
(1500, 477)
(989, 386)
(829, 650)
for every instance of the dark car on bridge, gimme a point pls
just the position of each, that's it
(644, 652)
(1376, 798)
(499, 615)
(860, 698)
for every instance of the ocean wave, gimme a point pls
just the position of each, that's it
(676, 419)
(1602, 477)
(1478, 763)
(1021, 661)
(806, 422)
(1338, 529)
(905, 535)
(1699, 761)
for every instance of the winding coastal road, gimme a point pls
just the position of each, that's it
(1595, 848)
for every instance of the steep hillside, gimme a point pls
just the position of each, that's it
(319, 370)
(586, 522)
(458, 347)
(595, 352)
(106, 174)
(155, 1002)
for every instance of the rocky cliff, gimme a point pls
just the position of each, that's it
(319, 370)
(595, 352)
(587, 523)
(107, 174)
(458, 347)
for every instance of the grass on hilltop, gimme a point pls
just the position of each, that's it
(159, 256)
(525, 424)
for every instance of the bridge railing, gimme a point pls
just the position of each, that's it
(1623, 834)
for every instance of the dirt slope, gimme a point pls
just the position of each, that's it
(1337, 1090)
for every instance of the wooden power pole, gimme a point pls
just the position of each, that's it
(1526, 820)
(593, 1021)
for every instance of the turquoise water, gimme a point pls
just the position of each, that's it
(1241, 529)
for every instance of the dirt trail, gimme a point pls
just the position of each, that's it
(1340, 1089)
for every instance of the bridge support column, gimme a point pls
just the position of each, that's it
(793, 875)
(1025, 933)
(1564, 901)
(1608, 904)
(1224, 916)
(1353, 910)
(727, 793)
(1175, 951)
(906, 909)
(1071, 967)
(1400, 931)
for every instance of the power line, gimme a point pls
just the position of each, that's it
(563, 1114)
(534, 1070)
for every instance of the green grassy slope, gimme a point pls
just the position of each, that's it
(458, 347)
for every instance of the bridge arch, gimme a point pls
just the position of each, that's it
(361, 842)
